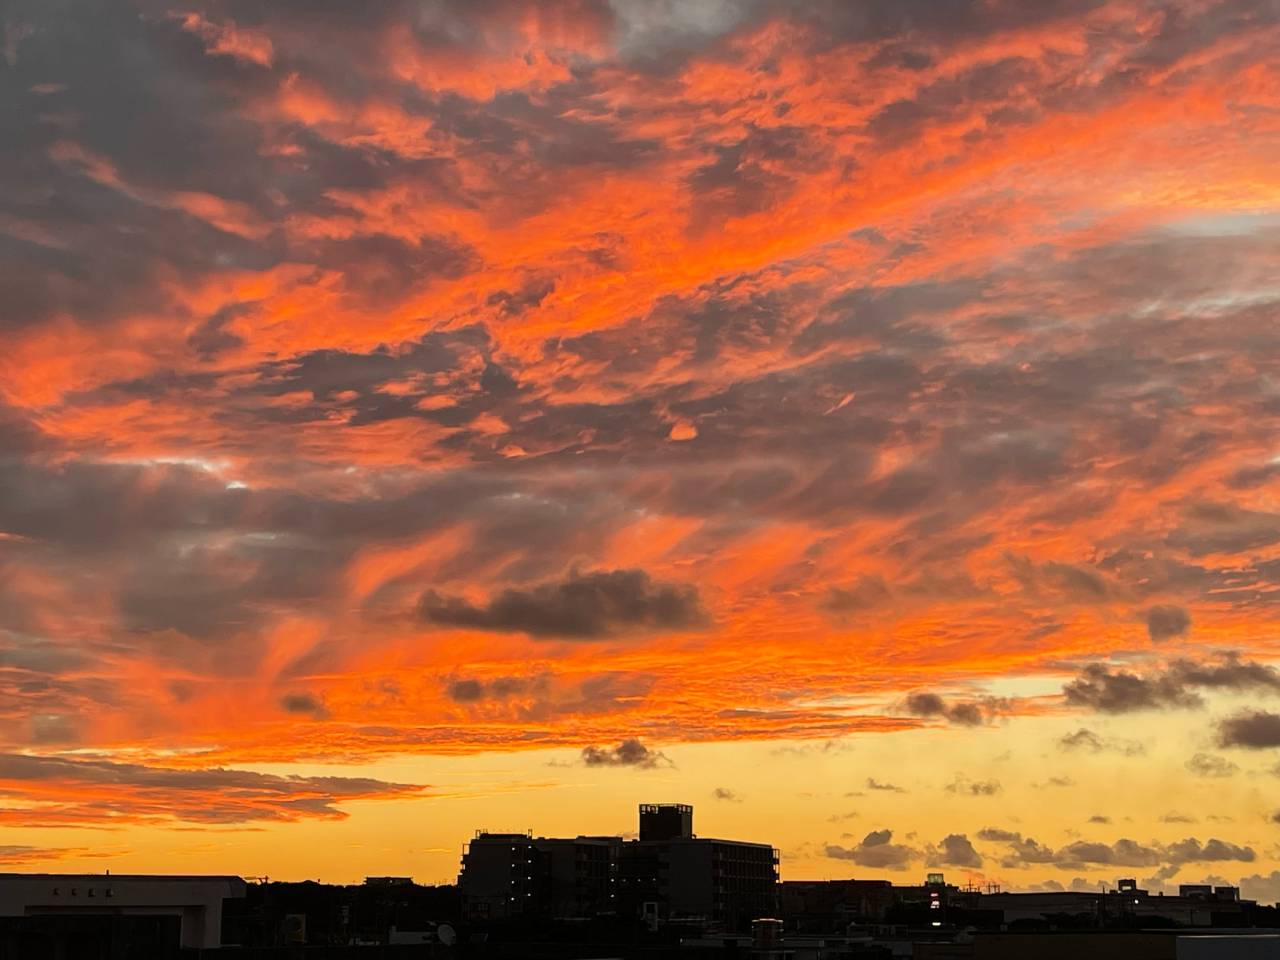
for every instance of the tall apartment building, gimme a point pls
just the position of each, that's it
(671, 873)
(507, 875)
(668, 873)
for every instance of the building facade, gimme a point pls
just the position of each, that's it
(686, 877)
(509, 875)
(193, 904)
(668, 873)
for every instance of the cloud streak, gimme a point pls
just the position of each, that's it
(81, 792)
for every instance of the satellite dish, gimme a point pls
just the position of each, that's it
(446, 935)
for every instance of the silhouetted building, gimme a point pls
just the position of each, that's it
(834, 906)
(281, 915)
(100, 911)
(829, 906)
(506, 875)
(1125, 945)
(388, 881)
(666, 821)
(669, 873)
(582, 875)
(1206, 892)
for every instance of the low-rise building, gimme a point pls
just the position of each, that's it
(191, 905)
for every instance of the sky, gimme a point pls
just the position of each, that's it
(856, 419)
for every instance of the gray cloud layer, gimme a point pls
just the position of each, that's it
(1109, 690)
(583, 606)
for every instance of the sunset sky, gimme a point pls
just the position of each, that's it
(859, 419)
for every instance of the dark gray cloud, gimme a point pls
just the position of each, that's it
(306, 704)
(869, 592)
(545, 696)
(1209, 765)
(965, 714)
(1109, 690)
(963, 786)
(1058, 781)
(954, 850)
(143, 95)
(1229, 673)
(1082, 739)
(874, 784)
(1165, 621)
(582, 606)
(724, 793)
(37, 655)
(1210, 527)
(1073, 583)
(1090, 742)
(1260, 887)
(1247, 478)
(19, 435)
(1252, 729)
(496, 688)
(926, 705)
(454, 364)
(213, 562)
(1116, 691)
(1124, 852)
(628, 753)
(1021, 850)
(380, 270)
(744, 177)
(1191, 850)
(876, 849)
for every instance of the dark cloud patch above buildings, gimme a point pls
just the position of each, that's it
(965, 713)
(628, 753)
(955, 850)
(876, 850)
(1211, 766)
(1088, 741)
(1082, 854)
(1019, 851)
(1113, 690)
(963, 786)
(1117, 691)
(884, 786)
(583, 606)
(1250, 729)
